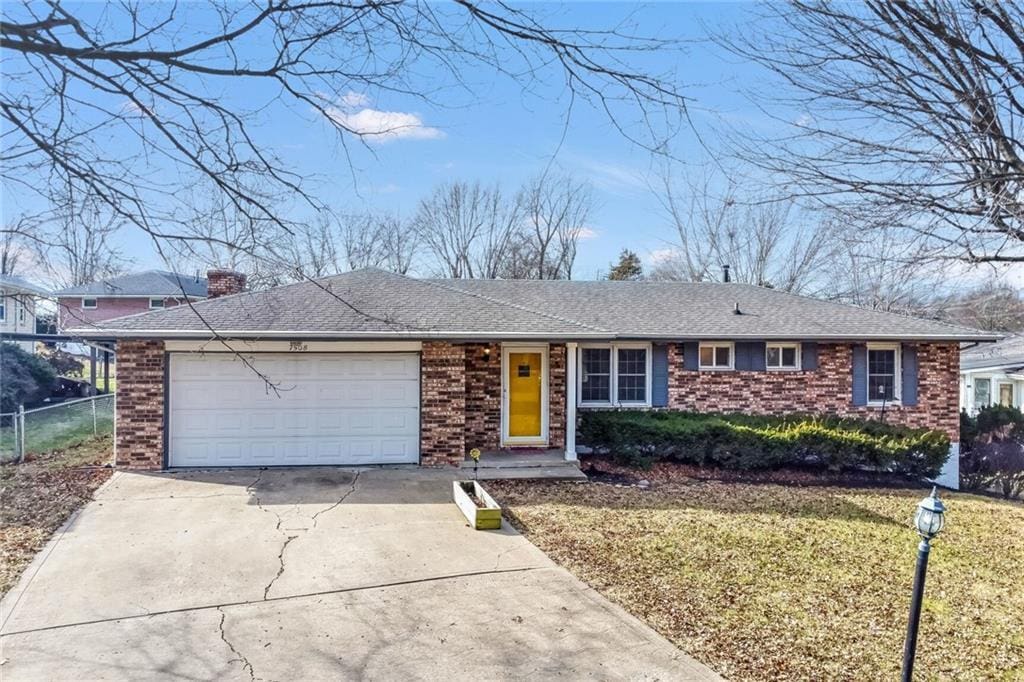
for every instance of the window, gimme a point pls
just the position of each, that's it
(88, 303)
(1006, 394)
(21, 313)
(632, 375)
(716, 356)
(596, 375)
(782, 356)
(156, 303)
(982, 392)
(3, 308)
(615, 374)
(883, 373)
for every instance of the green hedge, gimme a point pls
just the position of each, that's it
(737, 441)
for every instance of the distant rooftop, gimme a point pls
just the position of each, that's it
(1008, 352)
(16, 282)
(148, 283)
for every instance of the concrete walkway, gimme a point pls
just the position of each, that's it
(309, 574)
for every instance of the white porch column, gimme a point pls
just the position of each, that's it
(570, 402)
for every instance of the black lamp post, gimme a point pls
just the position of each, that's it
(929, 520)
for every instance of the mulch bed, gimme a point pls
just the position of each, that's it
(39, 494)
(604, 470)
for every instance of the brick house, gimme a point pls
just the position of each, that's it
(370, 367)
(88, 304)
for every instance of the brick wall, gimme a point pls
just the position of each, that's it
(139, 404)
(826, 390)
(556, 396)
(483, 396)
(70, 313)
(443, 404)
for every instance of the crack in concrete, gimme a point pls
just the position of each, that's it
(280, 569)
(352, 489)
(286, 597)
(246, 665)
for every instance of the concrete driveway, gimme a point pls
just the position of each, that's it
(292, 574)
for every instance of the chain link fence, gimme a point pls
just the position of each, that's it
(55, 426)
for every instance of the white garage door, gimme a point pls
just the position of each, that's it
(334, 408)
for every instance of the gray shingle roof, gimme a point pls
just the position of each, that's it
(18, 283)
(373, 302)
(1008, 352)
(148, 283)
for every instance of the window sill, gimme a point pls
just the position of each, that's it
(612, 406)
(782, 369)
(887, 403)
(716, 369)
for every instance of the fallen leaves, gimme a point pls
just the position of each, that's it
(37, 496)
(770, 582)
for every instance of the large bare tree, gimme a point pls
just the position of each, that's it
(122, 100)
(764, 238)
(898, 115)
(555, 210)
(80, 246)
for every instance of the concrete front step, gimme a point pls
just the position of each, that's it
(569, 472)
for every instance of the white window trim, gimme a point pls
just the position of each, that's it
(613, 380)
(95, 303)
(717, 344)
(784, 368)
(3, 308)
(157, 307)
(897, 384)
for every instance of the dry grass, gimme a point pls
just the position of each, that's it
(773, 582)
(37, 496)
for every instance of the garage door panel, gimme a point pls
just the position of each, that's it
(342, 408)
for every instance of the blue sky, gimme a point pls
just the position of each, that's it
(500, 133)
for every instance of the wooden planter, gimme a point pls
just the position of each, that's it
(487, 517)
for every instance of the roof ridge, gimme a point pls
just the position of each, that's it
(499, 301)
(843, 304)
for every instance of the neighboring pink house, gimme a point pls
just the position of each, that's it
(87, 304)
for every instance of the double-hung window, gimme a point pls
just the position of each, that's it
(596, 375)
(716, 355)
(883, 373)
(782, 356)
(615, 374)
(982, 392)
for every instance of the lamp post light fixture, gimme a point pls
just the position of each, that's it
(929, 521)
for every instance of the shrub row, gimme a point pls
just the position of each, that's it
(735, 441)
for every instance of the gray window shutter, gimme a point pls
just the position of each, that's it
(659, 380)
(750, 356)
(691, 352)
(809, 356)
(860, 375)
(908, 363)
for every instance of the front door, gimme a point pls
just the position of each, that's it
(525, 396)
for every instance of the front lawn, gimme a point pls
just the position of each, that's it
(777, 582)
(38, 495)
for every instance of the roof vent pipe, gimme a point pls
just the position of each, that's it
(725, 273)
(736, 309)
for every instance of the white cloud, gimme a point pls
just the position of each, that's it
(587, 233)
(381, 126)
(354, 99)
(662, 255)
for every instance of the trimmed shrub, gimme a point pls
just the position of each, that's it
(992, 451)
(27, 378)
(736, 441)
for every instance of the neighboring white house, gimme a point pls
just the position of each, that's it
(992, 374)
(18, 307)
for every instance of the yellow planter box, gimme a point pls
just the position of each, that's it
(487, 517)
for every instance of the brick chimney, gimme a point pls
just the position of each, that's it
(223, 283)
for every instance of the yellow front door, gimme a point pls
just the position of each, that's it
(524, 395)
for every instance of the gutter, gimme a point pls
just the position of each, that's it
(491, 335)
